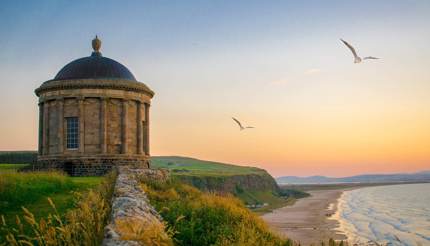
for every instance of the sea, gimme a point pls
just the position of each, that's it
(388, 215)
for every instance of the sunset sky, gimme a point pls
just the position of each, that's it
(275, 65)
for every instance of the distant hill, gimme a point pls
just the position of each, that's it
(216, 176)
(186, 166)
(423, 176)
(18, 157)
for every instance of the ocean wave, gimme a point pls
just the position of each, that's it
(394, 215)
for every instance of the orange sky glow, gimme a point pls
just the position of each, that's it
(285, 72)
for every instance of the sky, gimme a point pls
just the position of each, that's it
(275, 65)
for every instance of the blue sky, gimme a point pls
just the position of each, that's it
(277, 64)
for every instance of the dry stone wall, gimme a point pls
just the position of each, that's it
(131, 207)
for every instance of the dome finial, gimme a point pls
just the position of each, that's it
(97, 43)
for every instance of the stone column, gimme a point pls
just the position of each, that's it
(124, 120)
(139, 131)
(81, 101)
(60, 133)
(147, 128)
(103, 125)
(40, 143)
(45, 124)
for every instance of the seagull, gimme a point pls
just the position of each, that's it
(357, 59)
(240, 124)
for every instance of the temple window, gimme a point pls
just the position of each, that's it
(72, 131)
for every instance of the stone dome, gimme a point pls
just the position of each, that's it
(94, 67)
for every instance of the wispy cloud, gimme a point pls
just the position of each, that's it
(313, 71)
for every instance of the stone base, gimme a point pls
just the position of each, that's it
(88, 166)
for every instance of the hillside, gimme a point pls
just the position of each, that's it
(18, 157)
(423, 176)
(186, 166)
(254, 186)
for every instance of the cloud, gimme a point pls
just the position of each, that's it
(312, 71)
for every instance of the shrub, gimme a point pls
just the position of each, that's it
(293, 193)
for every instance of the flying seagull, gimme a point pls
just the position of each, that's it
(240, 124)
(357, 59)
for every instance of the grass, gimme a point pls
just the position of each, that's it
(76, 215)
(6, 167)
(30, 190)
(190, 166)
(201, 218)
(194, 217)
(212, 176)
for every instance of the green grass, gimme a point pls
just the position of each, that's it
(208, 174)
(201, 218)
(11, 166)
(190, 166)
(66, 219)
(6, 167)
(86, 182)
(31, 190)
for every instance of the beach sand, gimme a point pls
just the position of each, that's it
(310, 219)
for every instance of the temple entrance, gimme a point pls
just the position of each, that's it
(68, 168)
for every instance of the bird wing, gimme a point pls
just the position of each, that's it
(397, 238)
(238, 122)
(370, 57)
(249, 127)
(350, 47)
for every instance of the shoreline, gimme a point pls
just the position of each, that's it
(311, 219)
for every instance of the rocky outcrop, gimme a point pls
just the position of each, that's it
(132, 213)
(232, 183)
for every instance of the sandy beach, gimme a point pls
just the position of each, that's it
(310, 219)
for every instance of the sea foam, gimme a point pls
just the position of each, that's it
(394, 215)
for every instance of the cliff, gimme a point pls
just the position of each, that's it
(232, 183)
(254, 186)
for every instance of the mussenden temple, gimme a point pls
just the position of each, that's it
(92, 116)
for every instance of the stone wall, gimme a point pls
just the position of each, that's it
(89, 165)
(114, 110)
(131, 208)
(116, 116)
(53, 127)
(92, 108)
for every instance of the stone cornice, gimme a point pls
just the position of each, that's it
(118, 84)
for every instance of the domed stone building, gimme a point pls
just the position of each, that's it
(92, 116)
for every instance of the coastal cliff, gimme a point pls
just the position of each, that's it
(254, 186)
(232, 183)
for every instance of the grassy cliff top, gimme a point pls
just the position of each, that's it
(190, 166)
